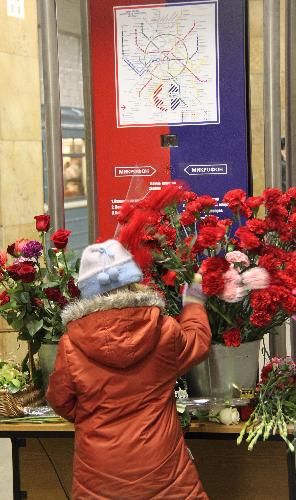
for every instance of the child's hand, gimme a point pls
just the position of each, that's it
(193, 294)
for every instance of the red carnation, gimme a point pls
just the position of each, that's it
(209, 220)
(266, 371)
(248, 240)
(42, 223)
(189, 196)
(206, 202)
(234, 198)
(257, 226)
(254, 202)
(271, 196)
(232, 337)
(187, 218)
(209, 236)
(194, 206)
(60, 238)
(292, 193)
(212, 283)
(215, 264)
(4, 298)
(260, 318)
(169, 278)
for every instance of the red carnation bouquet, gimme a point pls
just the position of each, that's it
(246, 263)
(35, 285)
(275, 404)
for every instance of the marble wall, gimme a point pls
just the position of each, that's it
(21, 181)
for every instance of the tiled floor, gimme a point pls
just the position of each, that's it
(5, 470)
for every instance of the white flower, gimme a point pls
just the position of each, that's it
(229, 416)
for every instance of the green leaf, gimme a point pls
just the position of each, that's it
(34, 326)
(25, 297)
(52, 255)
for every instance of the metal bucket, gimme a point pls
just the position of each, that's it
(47, 356)
(225, 372)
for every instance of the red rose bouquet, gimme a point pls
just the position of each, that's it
(276, 403)
(35, 285)
(246, 263)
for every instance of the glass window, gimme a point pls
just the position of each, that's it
(74, 167)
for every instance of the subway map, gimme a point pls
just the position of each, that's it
(167, 64)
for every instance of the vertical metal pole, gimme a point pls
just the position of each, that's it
(272, 96)
(272, 122)
(290, 112)
(53, 132)
(92, 192)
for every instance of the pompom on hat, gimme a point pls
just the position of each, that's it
(105, 267)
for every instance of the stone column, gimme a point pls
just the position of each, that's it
(21, 180)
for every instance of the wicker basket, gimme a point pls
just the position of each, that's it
(11, 405)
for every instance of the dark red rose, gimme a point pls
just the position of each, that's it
(73, 288)
(42, 223)
(13, 272)
(26, 272)
(60, 238)
(4, 298)
(11, 250)
(53, 293)
(169, 278)
(232, 337)
(37, 302)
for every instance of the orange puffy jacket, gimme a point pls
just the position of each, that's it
(114, 377)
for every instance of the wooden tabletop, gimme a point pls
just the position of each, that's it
(203, 427)
(206, 427)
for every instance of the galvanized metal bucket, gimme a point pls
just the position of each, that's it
(226, 371)
(47, 356)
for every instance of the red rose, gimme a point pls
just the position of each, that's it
(266, 371)
(212, 283)
(42, 223)
(73, 288)
(53, 293)
(169, 278)
(60, 238)
(26, 272)
(37, 302)
(13, 272)
(232, 337)
(4, 298)
(11, 250)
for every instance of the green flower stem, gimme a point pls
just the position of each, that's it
(44, 251)
(65, 261)
(215, 309)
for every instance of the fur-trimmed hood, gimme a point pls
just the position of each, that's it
(117, 329)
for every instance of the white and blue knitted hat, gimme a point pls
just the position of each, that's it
(106, 266)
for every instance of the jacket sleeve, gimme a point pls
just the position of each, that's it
(61, 391)
(192, 338)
